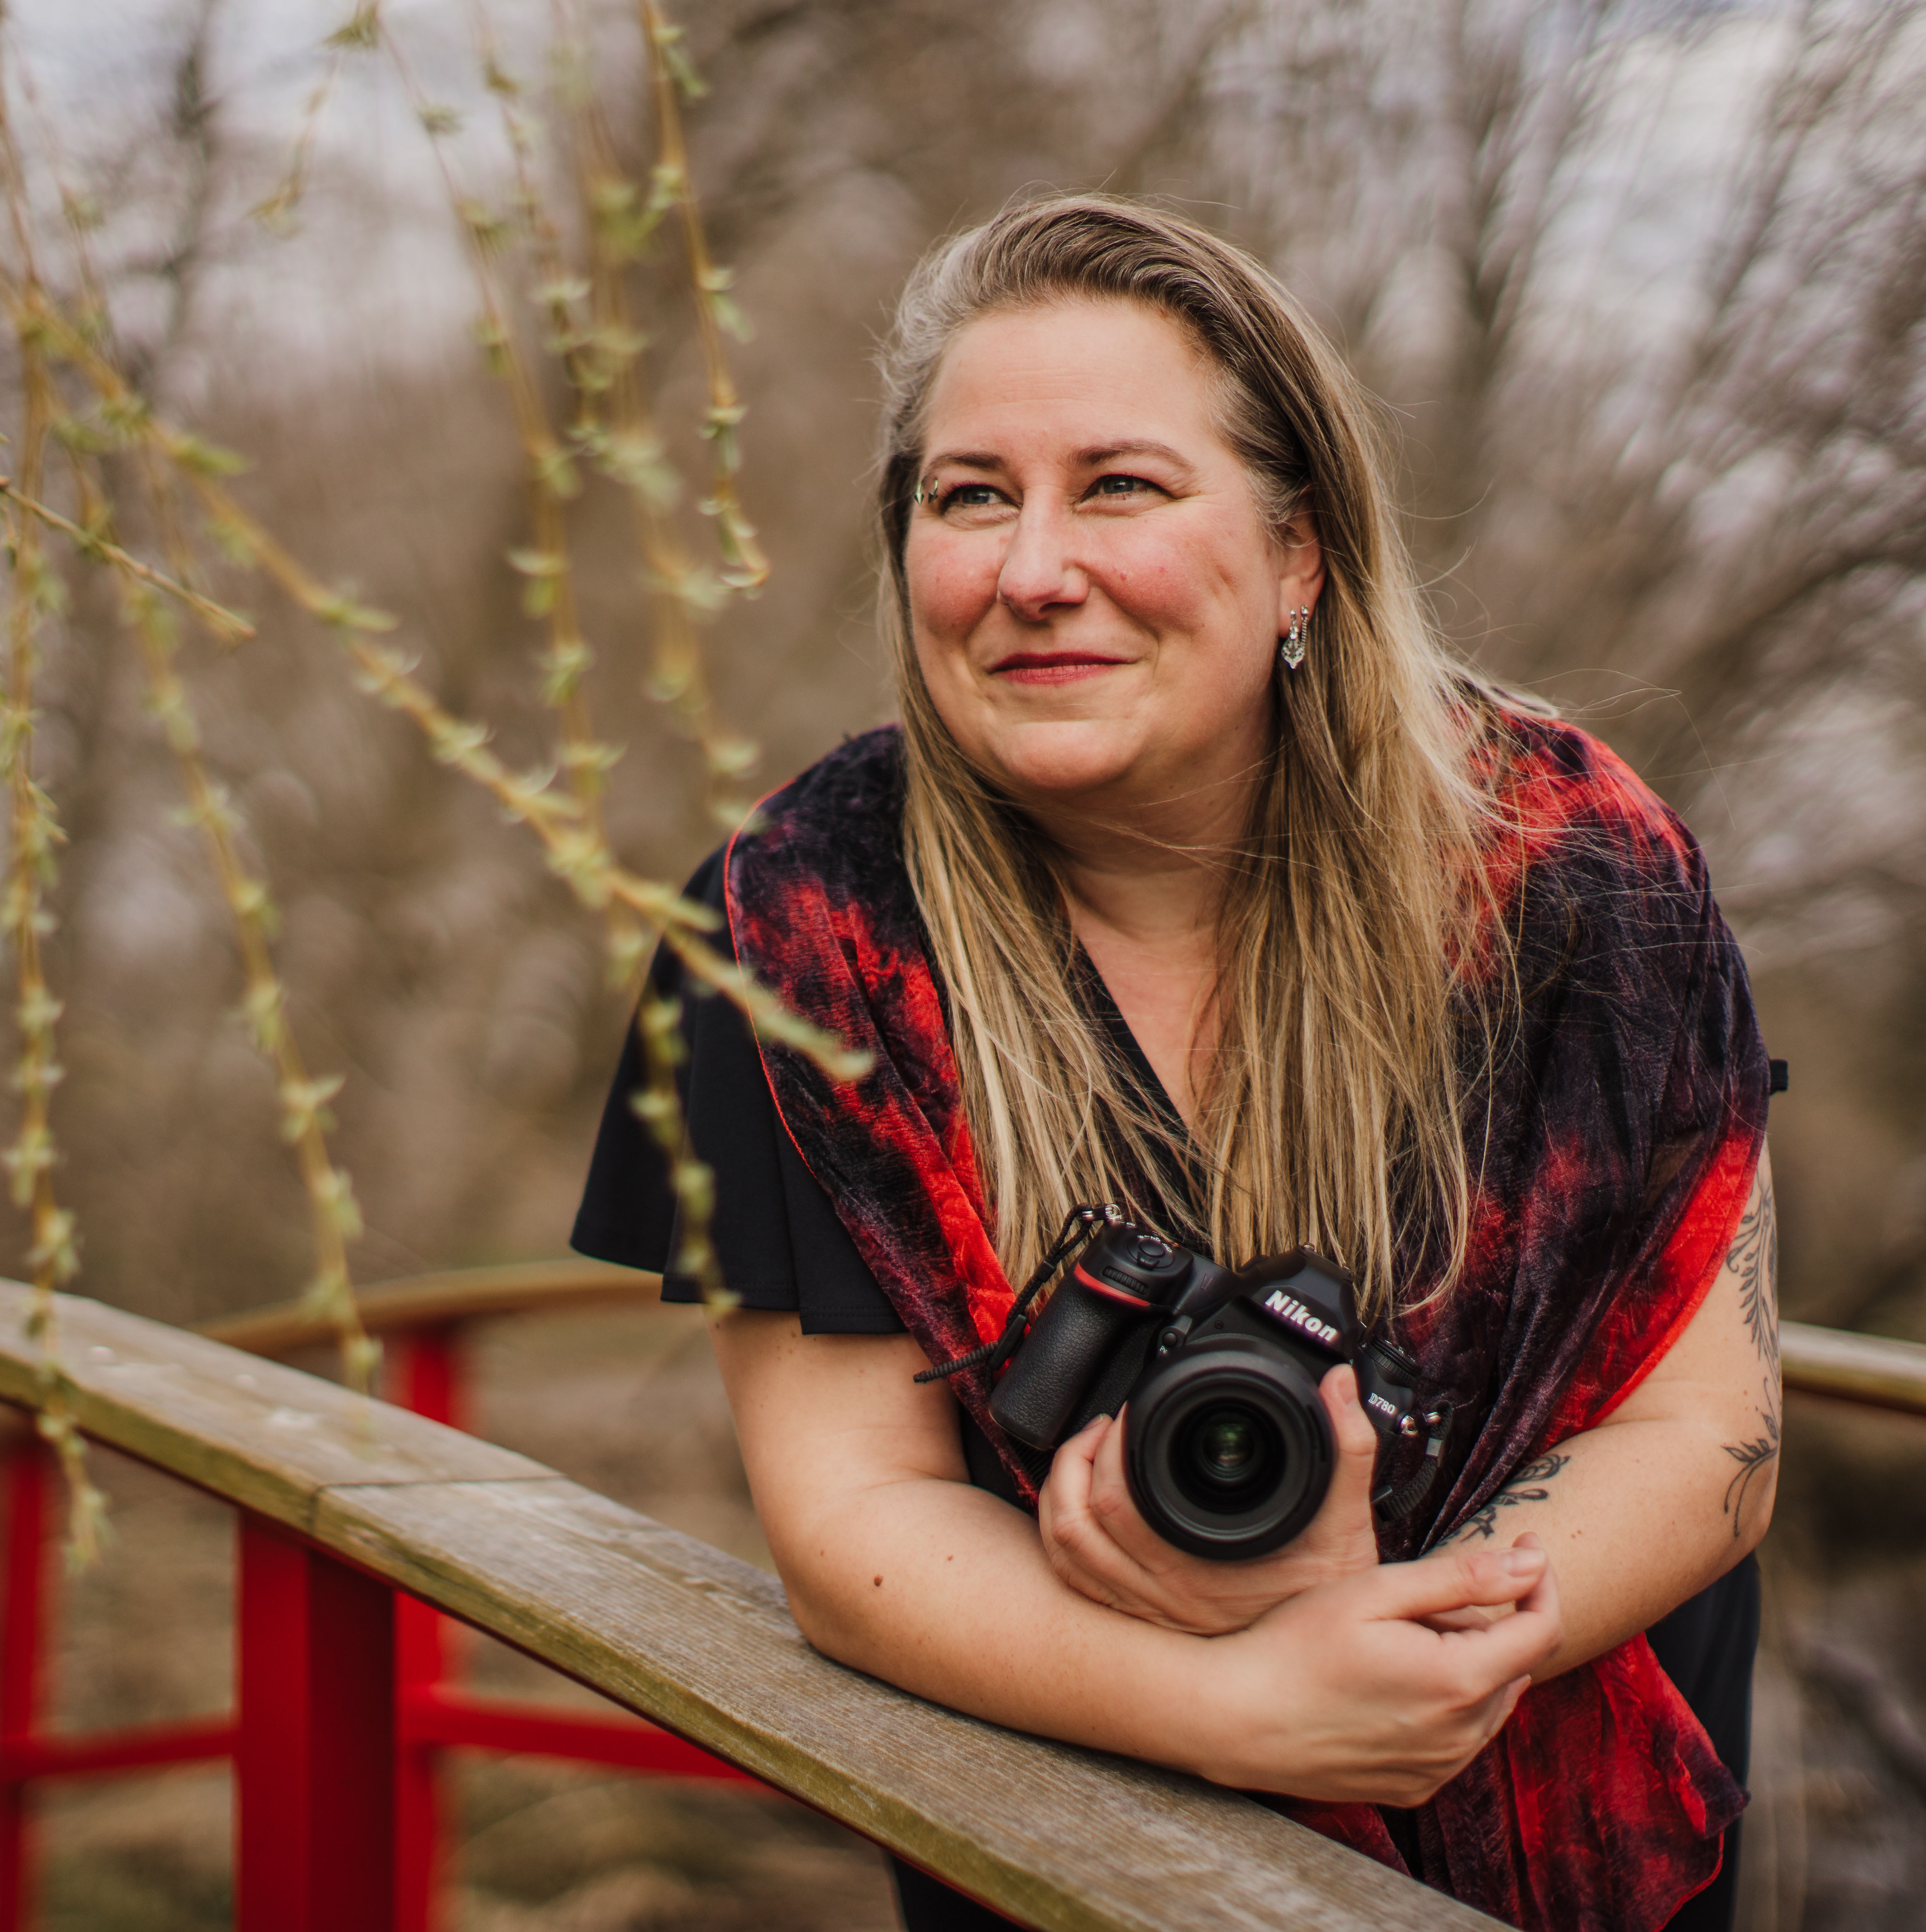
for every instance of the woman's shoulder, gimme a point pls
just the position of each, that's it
(1572, 804)
(855, 789)
(835, 830)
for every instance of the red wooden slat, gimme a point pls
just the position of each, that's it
(91, 1753)
(314, 1761)
(444, 1717)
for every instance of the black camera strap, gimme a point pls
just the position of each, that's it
(1078, 1225)
(1393, 1505)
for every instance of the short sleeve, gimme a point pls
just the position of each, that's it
(777, 1236)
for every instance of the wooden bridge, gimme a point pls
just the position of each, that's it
(361, 1524)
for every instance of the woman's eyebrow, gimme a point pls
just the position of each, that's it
(1110, 452)
(1089, 459)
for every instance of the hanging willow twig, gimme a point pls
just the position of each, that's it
(35, 839)
(612, 434)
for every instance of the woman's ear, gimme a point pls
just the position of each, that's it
(1300, 571)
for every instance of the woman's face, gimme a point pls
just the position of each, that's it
(1096, 599)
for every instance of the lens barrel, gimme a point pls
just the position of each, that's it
(1227, 1450)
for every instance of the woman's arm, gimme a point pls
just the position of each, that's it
(1639, 1513)
(1677, 1484)
(896, 1565)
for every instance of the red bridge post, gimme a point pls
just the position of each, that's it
(21, 1644)
(314, 1759)
(427, 1367)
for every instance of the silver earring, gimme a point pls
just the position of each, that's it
(1291, 646)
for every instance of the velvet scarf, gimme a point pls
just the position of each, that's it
(1616, 1142)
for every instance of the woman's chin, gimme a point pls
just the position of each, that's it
(1057, 763)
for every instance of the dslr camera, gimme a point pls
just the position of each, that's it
(1227, 1447)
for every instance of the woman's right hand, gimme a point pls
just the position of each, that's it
(1099, 1544)
(1344, 1693)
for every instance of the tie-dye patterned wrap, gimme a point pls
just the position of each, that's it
(1611, 1165)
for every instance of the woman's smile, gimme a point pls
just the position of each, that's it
(1054, 668)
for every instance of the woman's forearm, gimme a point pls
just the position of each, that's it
(1638, 1516)
(943, 1589)
(896, 1565)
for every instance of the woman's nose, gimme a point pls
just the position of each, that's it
(1040, 570)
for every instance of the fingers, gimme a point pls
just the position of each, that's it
(1532, 1638)
(1081, 1450)
(1077, 1542)
(1451, 1579)
(1066, 1495)
(1357, 1440)
(1112, 1505)
(1348, 1499)
(1107, 1482)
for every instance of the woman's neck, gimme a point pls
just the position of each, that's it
(1153, 874)
(1143, 901)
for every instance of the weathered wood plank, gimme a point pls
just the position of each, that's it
(269, 1438)
(1871, 1369)
(1060, 1838)
(457, 1294)
(1056, 1836)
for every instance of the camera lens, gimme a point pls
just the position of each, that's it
(1223, 1450)
(1227, 1448)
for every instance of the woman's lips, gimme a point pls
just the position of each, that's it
(1052, 667)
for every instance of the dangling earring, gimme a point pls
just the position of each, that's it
(1291, 646)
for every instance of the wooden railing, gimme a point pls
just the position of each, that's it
(358, 1519)
(347, 1505)
(1872, 1370)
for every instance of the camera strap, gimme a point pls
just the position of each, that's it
(1078, 1225)
(1393, 1505)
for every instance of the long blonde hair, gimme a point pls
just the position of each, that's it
(1352, 911)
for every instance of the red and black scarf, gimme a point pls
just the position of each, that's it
(1615, 1144)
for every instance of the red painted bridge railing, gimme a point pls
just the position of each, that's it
(430, 1713)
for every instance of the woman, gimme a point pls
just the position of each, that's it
(1198, 876)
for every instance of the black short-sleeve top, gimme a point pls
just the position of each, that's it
(776, 1235)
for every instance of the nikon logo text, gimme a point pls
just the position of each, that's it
(1294, 1311)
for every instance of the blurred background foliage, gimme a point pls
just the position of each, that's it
(1640, 284)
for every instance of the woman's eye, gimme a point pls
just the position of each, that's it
(1122, 487)
(968, 496)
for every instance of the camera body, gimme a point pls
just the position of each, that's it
(1227, 1448)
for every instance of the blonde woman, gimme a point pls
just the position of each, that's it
(1198, 877)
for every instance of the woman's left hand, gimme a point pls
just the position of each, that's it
(1100, 1545)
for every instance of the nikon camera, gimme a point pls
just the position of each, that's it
(1227, 1447)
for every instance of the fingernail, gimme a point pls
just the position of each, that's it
(1523, 1562)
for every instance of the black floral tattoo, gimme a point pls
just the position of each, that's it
(1527, 1486)
(1754, 1258)
(1754, 1458)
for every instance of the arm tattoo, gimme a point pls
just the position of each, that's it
(1754, 1457)
(1527, 1486)
(1754, 1259)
